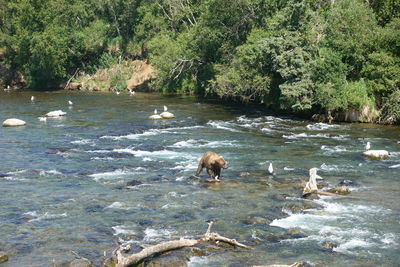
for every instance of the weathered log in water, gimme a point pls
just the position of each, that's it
(135, 258)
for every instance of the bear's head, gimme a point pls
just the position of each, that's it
(221, 163)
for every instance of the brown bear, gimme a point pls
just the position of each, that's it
(213, 163)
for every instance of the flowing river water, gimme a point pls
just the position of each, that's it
(63, 182)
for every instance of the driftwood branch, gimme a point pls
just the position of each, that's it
(171, 245)
(70, 79)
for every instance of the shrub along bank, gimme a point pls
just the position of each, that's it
(337, 58)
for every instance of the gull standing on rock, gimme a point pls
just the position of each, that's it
(155, 116)
(368, 146)
(166, 114)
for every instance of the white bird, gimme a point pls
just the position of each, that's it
(32, 98)
(42, 118)
(270, 169)
(155, 116)
(70, 102)
(131, 92)
(117, 92)
(313, 173)
(166, 114)
(311, 185)
(368, 146)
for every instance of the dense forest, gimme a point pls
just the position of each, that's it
(297, 56)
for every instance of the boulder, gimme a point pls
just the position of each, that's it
(74, 86)
(167, 115)
(340, 190)
(82, 262)
(376, 154)
(3, 257)
(56, 113)
(13, 122)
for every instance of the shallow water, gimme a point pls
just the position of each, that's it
(63, 182)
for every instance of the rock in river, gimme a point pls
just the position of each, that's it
(376, 154)
(13, 122)
(3, 257)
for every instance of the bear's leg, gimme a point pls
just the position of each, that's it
(199, 169)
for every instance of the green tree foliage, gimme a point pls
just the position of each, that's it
(299, 56)
(47, 40)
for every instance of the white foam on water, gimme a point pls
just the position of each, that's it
(327, 167)
(151, 132)
(344, 224)
(223, 125)
(329, 150)
(123, 230)
(102, 158)
(38, 217)
(98, 151)
(114, 174)
(351, 244)
(17, 172)
(305, 221)
(50, 172)
(153, 235)
(390, 239)
(203, 143)
(394, 154)
(151, 155)
(320, 126)
(305, 135)
(184, 128)
(186, 165)
(118, 205)
(266, 129)
(12, 178)
(198, 261)
(84, 142)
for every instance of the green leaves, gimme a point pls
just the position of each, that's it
(299, 56)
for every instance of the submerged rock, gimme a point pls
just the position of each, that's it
(340, 190)
(3, 257)
(13, 122)
(133, 183)
(329, 246)
(83, 262)
(346, 182)
(376, 154)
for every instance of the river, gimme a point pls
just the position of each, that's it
(63, 182)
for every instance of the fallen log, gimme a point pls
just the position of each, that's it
(135, 258)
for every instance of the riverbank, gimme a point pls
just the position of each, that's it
(129, 76)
